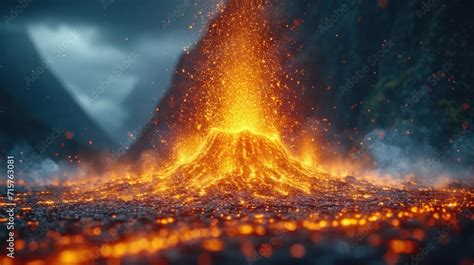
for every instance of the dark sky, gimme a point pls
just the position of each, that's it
(115, 57)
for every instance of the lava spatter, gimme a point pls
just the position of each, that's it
(242, 161)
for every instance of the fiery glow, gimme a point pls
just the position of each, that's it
(237, 104)
(232, 177)
(238, 77)
(210, 223)
(241, 161)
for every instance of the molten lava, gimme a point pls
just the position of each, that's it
(242, 161)
(238, 98)
(236, 81)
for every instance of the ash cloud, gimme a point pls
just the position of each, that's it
(397, 154)
(38, 168)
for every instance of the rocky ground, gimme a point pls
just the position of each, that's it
(392, 226)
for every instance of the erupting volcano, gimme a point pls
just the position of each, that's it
(233, 188)
(237, 107)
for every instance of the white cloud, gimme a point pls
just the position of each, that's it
(91, 67)
(82, 63)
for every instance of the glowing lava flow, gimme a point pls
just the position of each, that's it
(238, 102)
(242, 161)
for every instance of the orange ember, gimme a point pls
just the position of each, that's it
(239, 87)
(238, 102)
(241, 161)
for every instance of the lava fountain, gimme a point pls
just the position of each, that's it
(239, 105)
(238, 79)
